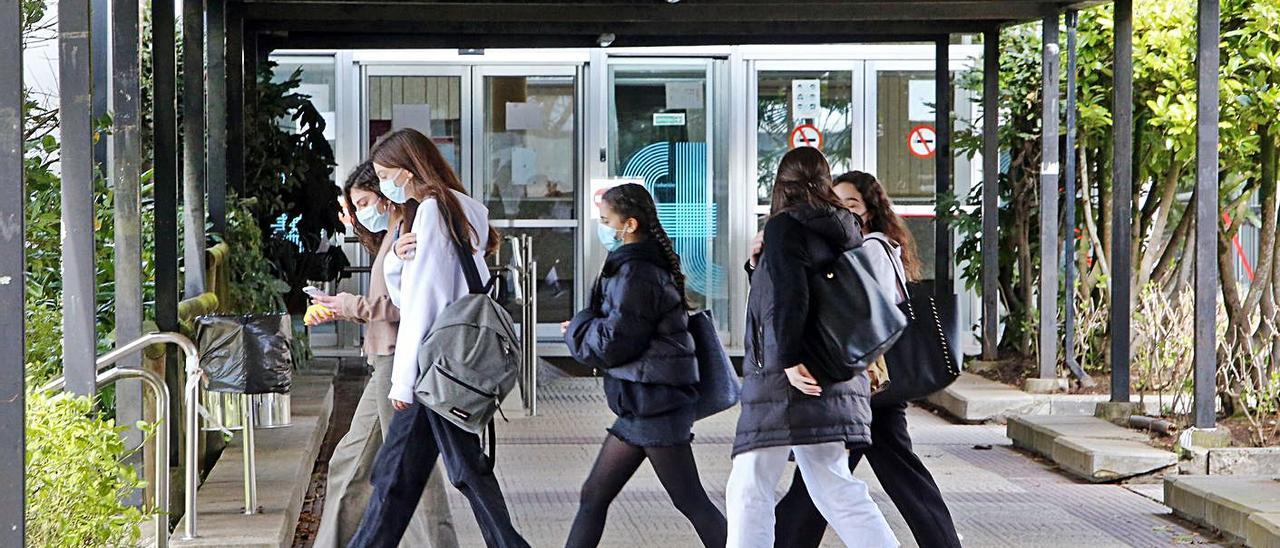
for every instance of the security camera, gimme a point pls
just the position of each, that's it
(606, 39)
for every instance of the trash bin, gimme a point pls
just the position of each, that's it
(246, 355)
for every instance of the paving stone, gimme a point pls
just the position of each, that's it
(1244, 461)
(975, 399)
(1224, 503)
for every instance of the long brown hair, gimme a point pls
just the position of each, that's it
(804, 178)
(633, 201)
(882, 218)
(364, 178)
(408, 149)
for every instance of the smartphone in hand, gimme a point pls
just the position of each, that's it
(313, 291)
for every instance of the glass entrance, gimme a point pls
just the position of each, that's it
(662, 131)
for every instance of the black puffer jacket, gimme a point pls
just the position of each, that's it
(637, 329)
(796, 244)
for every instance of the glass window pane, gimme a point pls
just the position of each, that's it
(554, 249)
(430, 104)
(904, 101)
(529, 147)
(776, 121)
(658, 133)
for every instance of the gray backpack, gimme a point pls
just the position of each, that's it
(470, 360)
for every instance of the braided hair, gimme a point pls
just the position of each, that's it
(632, 201)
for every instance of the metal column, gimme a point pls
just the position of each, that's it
(235, 97)
(193, 147)
(990, 194)
(943, 251)
(79, 294)
(1049, 201)
(126, 158)
(1206, 266)
(12, 283)
(165, 185)
(1122, 201)
(216, 117)
(1069, 217)
(100, 53)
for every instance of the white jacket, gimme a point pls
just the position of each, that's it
(886, 267)
(426, 284)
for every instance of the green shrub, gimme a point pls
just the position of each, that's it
(75, 476)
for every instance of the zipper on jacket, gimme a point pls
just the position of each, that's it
(463, 384)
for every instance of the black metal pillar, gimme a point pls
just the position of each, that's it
(943, 251)
(126, 158)
(1069, 217)
(165, 172)
(1122, 201)
(12, 283)
(1206, 267)
(235, 96)
(990, 194)
(1049, 171)
(79, 294)
(193, 155)
(216, 117)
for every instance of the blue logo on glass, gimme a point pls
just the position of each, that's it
(676, 175)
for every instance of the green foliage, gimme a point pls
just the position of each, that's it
(253, 286)
(75, 479)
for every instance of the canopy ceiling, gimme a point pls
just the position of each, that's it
(569, 23)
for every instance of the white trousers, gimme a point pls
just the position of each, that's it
(842, 499)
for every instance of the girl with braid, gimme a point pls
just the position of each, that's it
(636, 331)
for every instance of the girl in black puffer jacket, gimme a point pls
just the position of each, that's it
(785, 410)
(636, 332)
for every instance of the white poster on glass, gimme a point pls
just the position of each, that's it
(921, 95)
(523, 116)
(806, 99)
(524, 165)
(685, 95)
(412, 116)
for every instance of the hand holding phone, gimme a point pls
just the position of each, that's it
(314, 292)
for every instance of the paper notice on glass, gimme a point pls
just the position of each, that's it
(685, 95)
(523, 116)
(806, 99)
(524, 165)
(921, 95)
(412, 116)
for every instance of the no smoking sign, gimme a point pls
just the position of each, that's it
(806, 135)
(922, 142)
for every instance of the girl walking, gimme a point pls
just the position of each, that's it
(430, 278)
(901, 473)
(784, 409)
(347, 487)
(636, 333)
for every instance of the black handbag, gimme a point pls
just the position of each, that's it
(926, 358)
(851, 322)
(718, 385)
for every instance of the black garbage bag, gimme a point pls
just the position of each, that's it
(246, 354)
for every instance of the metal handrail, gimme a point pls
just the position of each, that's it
(107, 374)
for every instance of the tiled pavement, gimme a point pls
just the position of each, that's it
(998, 496)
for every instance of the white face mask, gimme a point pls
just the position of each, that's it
(397, 194)
(372, 219)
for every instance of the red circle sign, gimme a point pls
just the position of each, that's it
(922, 142)
(806, 135)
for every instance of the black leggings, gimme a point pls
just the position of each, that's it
(676, 469)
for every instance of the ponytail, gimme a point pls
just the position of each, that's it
(633, 201)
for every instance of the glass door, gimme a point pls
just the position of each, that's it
(526, 164)
(433, 100)
(663, 131)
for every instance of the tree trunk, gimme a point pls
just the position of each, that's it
(1167, 192)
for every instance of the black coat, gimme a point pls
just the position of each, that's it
(637, 327)
(797, 243)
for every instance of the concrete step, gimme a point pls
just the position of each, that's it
(1229, 504)
(1088, 447)
(285, 458)
(1263, 530)
(973, 399)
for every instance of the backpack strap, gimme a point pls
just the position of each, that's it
(474, 284)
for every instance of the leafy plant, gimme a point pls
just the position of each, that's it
(75, 477)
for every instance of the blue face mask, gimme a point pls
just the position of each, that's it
(608, 237)
(372, 219)
(397, 194)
